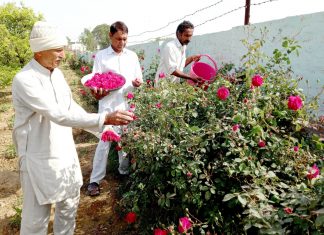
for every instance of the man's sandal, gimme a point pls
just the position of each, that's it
(93, 189)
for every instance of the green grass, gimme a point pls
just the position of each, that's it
(4, 107)
(10, 152)
(15, 220)
(11, 121)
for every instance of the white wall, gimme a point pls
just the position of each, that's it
(227, 47)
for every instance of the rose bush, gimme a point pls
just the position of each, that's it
(225, 156)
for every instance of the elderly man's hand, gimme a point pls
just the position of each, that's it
(119, 117)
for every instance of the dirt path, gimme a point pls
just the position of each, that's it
(96, 215)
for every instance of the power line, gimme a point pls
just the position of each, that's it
(212, 19)
(174, 21)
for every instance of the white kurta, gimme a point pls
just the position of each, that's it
(173, 56)
(44, 115)
(127, 64)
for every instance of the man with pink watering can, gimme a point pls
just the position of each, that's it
(173, 57)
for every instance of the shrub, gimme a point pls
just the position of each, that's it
(6, 75)
(230, 156)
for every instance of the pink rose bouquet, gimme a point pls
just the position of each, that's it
(107, 81)
(110, 136)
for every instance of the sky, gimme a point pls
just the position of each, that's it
(163, 17)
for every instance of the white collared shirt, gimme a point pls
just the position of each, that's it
(173, 56)
(125, 63)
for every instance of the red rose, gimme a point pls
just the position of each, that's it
(118, 148)
(159, 231)
(261, 144)
(130, 217)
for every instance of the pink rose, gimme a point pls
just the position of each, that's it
(313, 172)
(288, 210)
(184, 224)
(110, 136)
(295, 102)
(161, 75)
(130, 95)
(257, 80)
(236, 127)
(132, 107)
(223, 93)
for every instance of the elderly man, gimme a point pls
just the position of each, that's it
(173, 56)
(44, 114)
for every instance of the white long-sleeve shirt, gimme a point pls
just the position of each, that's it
(127, 64)
(173, 56)
(42, 133)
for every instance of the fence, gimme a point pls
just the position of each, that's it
(226, 47)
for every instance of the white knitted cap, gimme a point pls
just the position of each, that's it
(45, 36)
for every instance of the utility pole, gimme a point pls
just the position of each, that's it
(247, 12)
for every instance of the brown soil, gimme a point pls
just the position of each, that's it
(96, 215)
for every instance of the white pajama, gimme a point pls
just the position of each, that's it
(35, 217)
(100, 162)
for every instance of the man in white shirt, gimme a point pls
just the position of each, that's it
(118, 59)
(50, 172)
(173, 56)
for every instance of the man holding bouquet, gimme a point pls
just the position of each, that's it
(118, 59)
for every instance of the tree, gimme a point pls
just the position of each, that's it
(16, 24)
(100, 33)
(88, 40)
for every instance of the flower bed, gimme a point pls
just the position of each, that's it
(230, 157)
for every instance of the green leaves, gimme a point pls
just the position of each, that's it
(16, 23)
(190, 147)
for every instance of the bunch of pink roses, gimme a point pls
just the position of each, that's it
(110, 136)
(106, 81)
